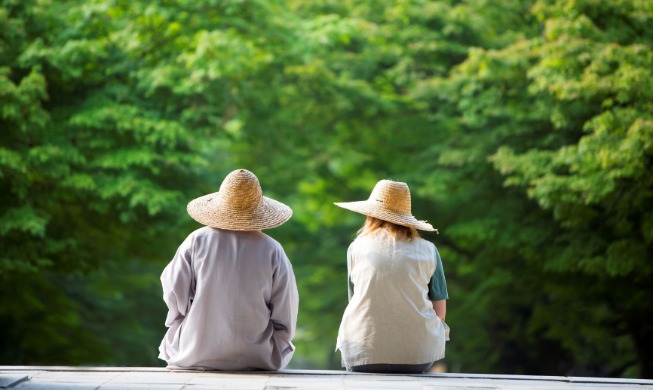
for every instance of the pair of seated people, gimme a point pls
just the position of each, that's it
(232, 295)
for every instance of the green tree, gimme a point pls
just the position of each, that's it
(89, 171)
(523, 129)
(557, 249)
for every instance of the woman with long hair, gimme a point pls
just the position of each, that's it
(394, 321)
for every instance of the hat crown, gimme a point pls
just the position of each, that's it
(241, 190)
(391, 195)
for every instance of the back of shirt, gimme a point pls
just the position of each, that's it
(390, 319)
(242, 300)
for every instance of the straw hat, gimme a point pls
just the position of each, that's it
(239, 205)
(389, 201)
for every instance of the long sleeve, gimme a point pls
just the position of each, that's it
(284, 301)
(232, 300)
(178, 283)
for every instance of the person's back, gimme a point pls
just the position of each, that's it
(394, 321)
(231, 307)
(230, 289)
(390, 276)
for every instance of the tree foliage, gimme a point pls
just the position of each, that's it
(570, 115)
(524, 129)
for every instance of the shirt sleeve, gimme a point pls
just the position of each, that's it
(438, 283)
(284, 300)
(350, 284)
(178, 283)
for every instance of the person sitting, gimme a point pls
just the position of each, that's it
(394, 322)
(230, 289)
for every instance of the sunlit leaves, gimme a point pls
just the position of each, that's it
(524, 129)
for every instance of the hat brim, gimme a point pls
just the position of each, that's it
(268, 214)
(372, 210)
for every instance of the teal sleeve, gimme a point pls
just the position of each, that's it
(350, 288)
(350, 285)
(438, 284)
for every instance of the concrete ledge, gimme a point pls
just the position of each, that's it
(60, 377)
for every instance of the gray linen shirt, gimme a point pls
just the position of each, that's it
(232, 302)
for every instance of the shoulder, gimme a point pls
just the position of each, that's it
(195, 235)
(265, 239)
(358, 241)
(202, 236)
(275, 248)
(361, 242)
(424, 242)
(204, 231)
(370, 239)
(426, 245)
(279, 260)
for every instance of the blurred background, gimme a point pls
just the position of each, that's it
(523, 128)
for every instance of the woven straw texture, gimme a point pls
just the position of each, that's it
(239, 205)
(389, 201)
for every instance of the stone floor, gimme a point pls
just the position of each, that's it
(105, 378)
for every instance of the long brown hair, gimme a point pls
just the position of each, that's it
(398, 231)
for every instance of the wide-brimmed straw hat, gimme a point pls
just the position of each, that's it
(239, 205)
(389, 201)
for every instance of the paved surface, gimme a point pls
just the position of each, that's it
(105, 378)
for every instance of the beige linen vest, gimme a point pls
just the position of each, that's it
(390, 319)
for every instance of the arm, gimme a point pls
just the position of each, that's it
(284, 300)
(438, 293)
(440, 308)
(350, 284)
(178, 283)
